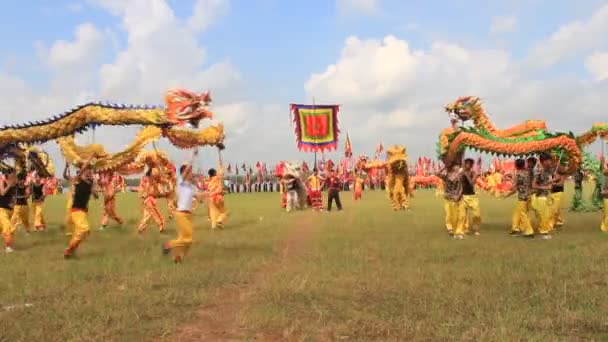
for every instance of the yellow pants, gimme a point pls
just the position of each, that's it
(39, 223)
(181, 245)
(604, 226)
(21, 217)
(6, 226)
(455, 216)
(543, 211)
(556, 208)
(471, 207)
(217, 211)
(80, 228)
(68, 225)
(448, 222)
(521, 218)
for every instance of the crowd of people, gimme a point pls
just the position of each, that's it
(22, 193)
(538, 185)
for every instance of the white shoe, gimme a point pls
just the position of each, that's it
(9, 250)
(458, 237)
(546, 237)
(101, 228)
(476, 234)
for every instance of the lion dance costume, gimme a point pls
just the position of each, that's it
(397, 176)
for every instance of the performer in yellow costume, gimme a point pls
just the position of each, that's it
(358, 191)
(186, 194)
(84, 187)
(38, 198)
(470, 199)
(150, 191)
(542, 185)
(69, 196)
(557, 195)
(604, 225)
(520, 224)
(7, 198)
(217, 209)
(454, 205)
(109, 187)
(21, 211)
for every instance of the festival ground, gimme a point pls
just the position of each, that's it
(362, 274)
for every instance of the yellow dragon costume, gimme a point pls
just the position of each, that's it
(183, 107)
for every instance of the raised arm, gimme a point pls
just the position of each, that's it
(190, 161)
(220, 166)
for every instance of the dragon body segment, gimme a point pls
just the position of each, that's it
(182, 108)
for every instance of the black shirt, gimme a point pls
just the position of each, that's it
(37, 192)
(467, 188)
(20, 195)
(557, 188)
(6, 201)
(82, 195)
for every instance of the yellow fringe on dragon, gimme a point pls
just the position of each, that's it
(397, 176)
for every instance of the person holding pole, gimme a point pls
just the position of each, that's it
(186, 194)
(217, 209)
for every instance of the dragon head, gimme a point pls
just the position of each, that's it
(396, 157)
(464, 108)
(187, 107)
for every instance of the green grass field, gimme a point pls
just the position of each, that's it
(363, 274)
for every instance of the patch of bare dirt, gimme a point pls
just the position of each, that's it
(219, 320)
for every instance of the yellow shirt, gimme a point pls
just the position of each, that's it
(314, 182)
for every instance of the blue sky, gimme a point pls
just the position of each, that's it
(279, 43)
(276, 46)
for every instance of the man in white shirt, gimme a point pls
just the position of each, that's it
(183, 215)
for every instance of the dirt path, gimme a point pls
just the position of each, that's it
(219, 319)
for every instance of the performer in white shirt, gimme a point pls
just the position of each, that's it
(183, 215)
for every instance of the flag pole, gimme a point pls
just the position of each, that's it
(313, 110)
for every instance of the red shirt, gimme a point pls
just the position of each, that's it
(333, 183)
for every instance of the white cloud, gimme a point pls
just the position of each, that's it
(206, 13)
(358, 6)
(505, 24)
(396, 94)
(597, 65)
(82, 53)
(573, 39)
(161, 51)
